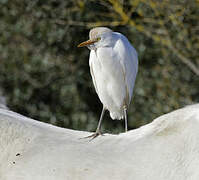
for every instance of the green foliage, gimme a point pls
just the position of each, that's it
(45, 76)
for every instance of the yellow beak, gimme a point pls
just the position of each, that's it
(86, 43)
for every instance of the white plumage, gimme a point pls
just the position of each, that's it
(113, 65)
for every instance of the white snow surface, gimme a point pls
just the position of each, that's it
(166, 149)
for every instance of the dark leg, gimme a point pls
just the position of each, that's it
(125, 119)
(98, 132)
(100, 121)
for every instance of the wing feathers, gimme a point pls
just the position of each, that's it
(129, 63)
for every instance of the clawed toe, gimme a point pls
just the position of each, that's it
(93, 136)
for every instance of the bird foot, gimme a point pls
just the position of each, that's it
(93, 136)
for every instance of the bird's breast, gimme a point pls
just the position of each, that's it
(109, 61)
(109, 79)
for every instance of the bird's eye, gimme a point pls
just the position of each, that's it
(99, 38)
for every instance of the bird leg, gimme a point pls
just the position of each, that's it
(98, 131)
(125, 118)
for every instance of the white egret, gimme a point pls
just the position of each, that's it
(113, 66)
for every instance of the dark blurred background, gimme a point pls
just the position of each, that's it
(43, 74)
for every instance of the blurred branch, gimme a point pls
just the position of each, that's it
(90, 24)
(185, 60)
(167, 41)
(159, 35)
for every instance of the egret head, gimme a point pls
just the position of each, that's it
(98, 37)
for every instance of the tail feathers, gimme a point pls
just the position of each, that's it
(117, 115)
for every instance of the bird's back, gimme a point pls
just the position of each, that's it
(128, 60)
